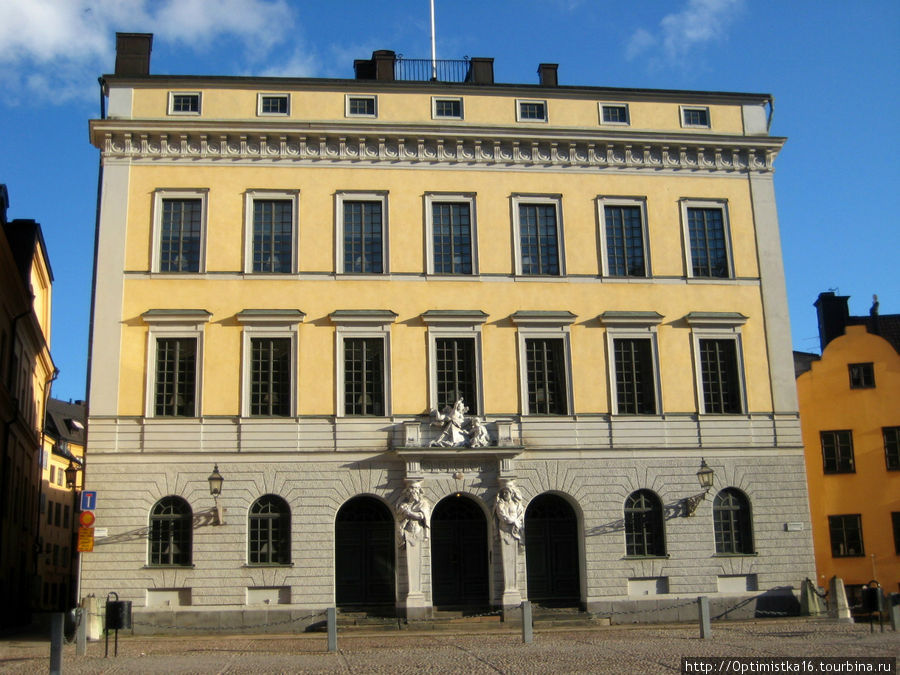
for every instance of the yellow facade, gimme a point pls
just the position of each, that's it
(871, 489)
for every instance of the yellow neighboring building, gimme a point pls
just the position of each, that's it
(449, 344)
(850, 414)
(26, 374)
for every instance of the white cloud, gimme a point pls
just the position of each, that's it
(699, 23)
(55, 49)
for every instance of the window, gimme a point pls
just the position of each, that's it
(891, 437)
(447, 108)
(52, 475)
(179, 231)
(363, 363)
(361, 106)
(695, 117)
(454, 339)
(174, 361)
(49, 512)
(614, 113)
(269, 531)
(862, 375)
(271, 232)
(732, 523)
(184, 103)
(635, 377)
(65, 522)
(270, 377)
(895, 523)
(363, 233)
(538, 236)
(57, 514)
(176, 377)
(644, 525)
(846, 536)
(170, 532)
(837, 451)
(719, 376)
(274, 104)
(544, 361)
(452, 230)
(270, 346)
(707, 233)
(624, 238)
(531, 111)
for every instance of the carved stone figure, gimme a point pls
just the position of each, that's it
(414, 520)
(457, 430)
(510, 514)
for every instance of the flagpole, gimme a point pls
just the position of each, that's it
(433, 51)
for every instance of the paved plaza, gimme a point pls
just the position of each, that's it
(616, 649)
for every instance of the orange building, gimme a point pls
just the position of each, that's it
(850, 415)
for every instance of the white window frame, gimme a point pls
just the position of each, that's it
(454, 324)
(625, 326)
(159, 196)
(544, 325)
(610, 104)
(362, 324)
(361, 196)
(717, 326)
(722, 204)
(263, 95)
(543, 102)
(432, 198)
(268, 324)
(436, 99)
(189, 324)
(349, 97)
(555, 200)
(250, 196)
(641, 203)
(684, 124)
(171, 107)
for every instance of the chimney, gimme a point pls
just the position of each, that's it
(481, 70)
(133, 53)
(547, 74)
(379, 67)
(833, 312)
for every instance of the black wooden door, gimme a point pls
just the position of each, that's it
(459, 554)
(551, 551)
(364, 554)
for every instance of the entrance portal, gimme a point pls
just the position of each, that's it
(459, 555)
(364, 555)
(551, 552)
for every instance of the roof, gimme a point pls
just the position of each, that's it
(803, 362)
(885, 325)
(66, 421)
(24, 236)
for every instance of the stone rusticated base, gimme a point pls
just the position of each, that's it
(774, 604)
(185, 621)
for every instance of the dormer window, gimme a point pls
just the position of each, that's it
(184, 103)
(531, 111)
(274, 104)
(695, 117)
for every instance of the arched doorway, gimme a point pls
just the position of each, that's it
(364, 555)
(551, 552)
(459, 555)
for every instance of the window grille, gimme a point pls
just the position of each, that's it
(452, 238)
(180, 235)
(644, 525)
(170, 532)
(546, 374)
(176, 377)
(539, 239)
(269, 531)
(363, 376)
(270, 377)
(731, 522)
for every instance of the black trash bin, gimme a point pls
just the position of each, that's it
(118, 614)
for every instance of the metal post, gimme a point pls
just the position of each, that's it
(56, 642)
(527, 628)
(703, 606)
(80, 632)
(331, 617)
(894, 609)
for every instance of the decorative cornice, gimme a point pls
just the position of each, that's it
(506, 148)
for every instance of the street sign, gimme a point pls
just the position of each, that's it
(85, 539)
(87, 518)
(88, 500)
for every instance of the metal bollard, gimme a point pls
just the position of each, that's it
(80, 631)
(705, 628)
(56, 642)
(331, 618)
(894, 610)
(527, 627)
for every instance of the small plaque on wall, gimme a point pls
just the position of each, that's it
(793, 527)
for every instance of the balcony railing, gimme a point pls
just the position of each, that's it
(421, 70)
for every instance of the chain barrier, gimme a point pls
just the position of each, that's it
(212, 629)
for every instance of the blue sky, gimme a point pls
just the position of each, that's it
(833, 67)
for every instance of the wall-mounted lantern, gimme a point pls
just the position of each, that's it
(215, 489)
(705, 477)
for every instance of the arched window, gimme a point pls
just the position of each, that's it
(731, 520)
(644, 524)
(269, 531)
(170, 532)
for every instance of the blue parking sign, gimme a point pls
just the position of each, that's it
(88, 500)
